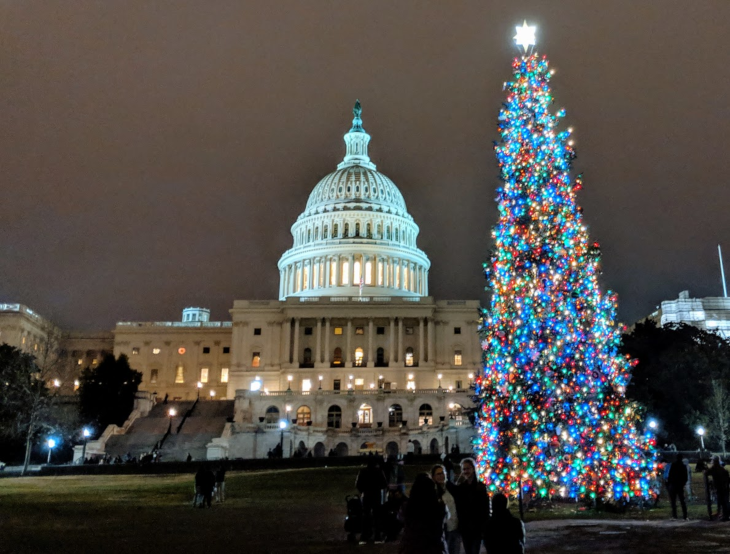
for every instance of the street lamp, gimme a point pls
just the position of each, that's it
(320, 381)
(471, 379)
(51, 445)
(282, 426)
(171, 412)
(701, 433)
(440, 375)
(653, 425)
(289, 378)
(86, 433)
(200, 386)
(212, 394)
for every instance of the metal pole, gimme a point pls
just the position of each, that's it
(49, 454)
(722, 272)
(83, 452)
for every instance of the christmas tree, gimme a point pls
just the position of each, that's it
(552, 416)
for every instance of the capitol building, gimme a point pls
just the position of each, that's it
(352, 356)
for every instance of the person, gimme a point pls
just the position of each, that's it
(676, 479)
(472, 506)
(452, 536)
(504, 533)
(721, 482)
(424, 516)
(204, 485)
(189, 458)
(371, 485)
(395, 475)
(449, 467)
(220, 482)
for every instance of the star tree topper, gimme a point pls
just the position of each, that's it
(525, 36)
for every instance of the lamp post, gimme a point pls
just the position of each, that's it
(701, 433)
(320, 381)
(171, 412)
(86, 433)
(440, 375)
(289, 378)
(282, 426)
(471, 379)
(51, 445)
(200, 386)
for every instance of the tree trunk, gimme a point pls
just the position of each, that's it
(28, 448)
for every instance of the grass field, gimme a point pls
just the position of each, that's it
(281, 511)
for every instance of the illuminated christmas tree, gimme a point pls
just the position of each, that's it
(552, 415)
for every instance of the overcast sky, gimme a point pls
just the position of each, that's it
(154, 155)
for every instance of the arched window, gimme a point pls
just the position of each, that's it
(387, 233)
(368, 231)
(272, 415)
(380, 357)
(304, 415)
(324, 232)
(307, 356)
(456, 411)
(409, 357)
(359, 354)
(309, 235)
(335, 231)
(357, 229)
(347, 230)
(425, 414)
(379, 232)
(337, 357)
(334, 417)
(316, 233)
(396, 234)
(365, 415)
(395, 416)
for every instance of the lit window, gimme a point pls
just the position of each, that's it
(357, 273)
(80, 361)
(333, 269)
(35, 346)
(410, 385)
(94, 361)
(358, 357)
(155, 351)
(224, 375)
(360, 383)
(179, 374)
(380, 273)
(338, 330)
(409, 357)
(345, 273)
(359, 330)
(153, 376)
(23, 340)
(368, 273)
(306, 385)
(304, 415)
(457, 357)
(305, 278)
(76, 384)
(204, 375)
(256, 359)
(135, 351)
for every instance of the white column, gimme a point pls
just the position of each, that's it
(300, 280)
(421, 357)
(431, 353)
(349, 339)
(327, 340)
(296, 342)
(399, 354)
(391, 357)
(338, 270)
(310, 274)
(317, 348)
(327, 265)
(351, 270)
(286, 329)
(371, 360)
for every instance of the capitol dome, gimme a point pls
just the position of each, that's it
(355, 236)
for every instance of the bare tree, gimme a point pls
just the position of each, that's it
(718, 411)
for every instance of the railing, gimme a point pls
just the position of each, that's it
(361, 392)
(203, 324)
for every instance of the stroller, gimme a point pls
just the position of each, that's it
(353, 520)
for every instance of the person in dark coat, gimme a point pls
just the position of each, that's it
(204, 484)
(371, 485)
(676, 480)
(220, 482)
(424, 516)
(504, 533)
(472, 506)
(721, 482)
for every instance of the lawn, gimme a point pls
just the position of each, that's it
(280, 511)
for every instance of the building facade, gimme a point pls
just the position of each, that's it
(710, 314)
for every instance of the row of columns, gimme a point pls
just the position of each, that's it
(395, 354)
(326, 271)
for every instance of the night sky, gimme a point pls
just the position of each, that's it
(154, 155)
